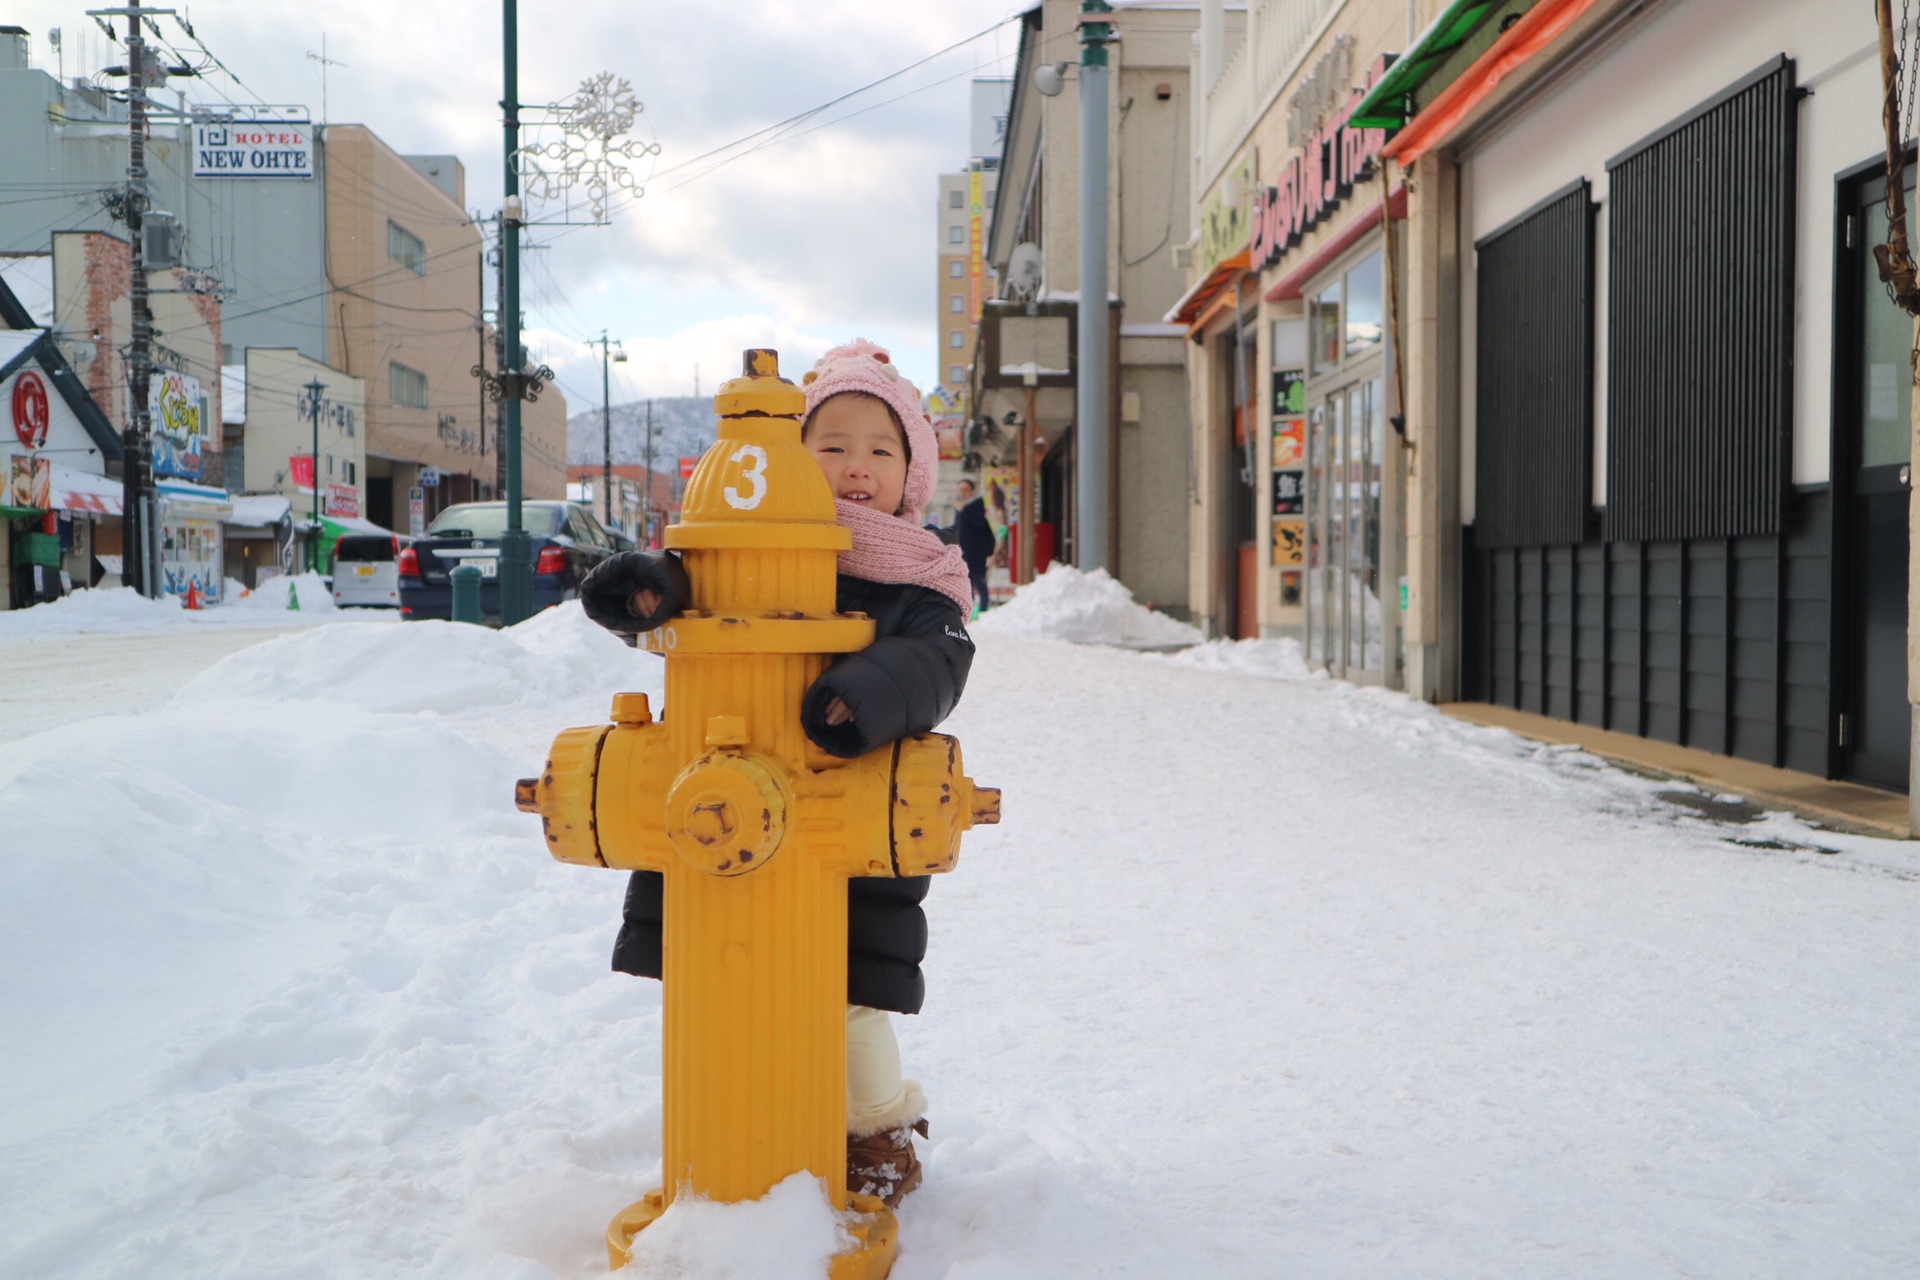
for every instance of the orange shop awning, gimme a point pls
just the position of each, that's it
(1195, 300)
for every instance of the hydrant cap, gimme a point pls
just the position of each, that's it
(760, 391)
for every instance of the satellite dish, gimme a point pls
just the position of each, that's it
(1023, 271)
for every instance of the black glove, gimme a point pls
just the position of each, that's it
(607, 592)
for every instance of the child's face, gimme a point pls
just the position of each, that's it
(859, 446)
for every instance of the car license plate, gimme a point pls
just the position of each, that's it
(363, 571)
(488, 567)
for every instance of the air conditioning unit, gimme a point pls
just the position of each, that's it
(160, 243)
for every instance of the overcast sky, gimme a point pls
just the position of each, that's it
(805, 242)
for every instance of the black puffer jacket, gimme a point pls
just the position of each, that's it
(904, 683)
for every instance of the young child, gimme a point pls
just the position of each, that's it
(865, 427)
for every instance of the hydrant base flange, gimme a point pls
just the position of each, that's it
(875, 1230)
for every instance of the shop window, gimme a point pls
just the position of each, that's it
(1365, 329)
(1325, 339)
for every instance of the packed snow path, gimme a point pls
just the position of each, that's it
(1259, 977)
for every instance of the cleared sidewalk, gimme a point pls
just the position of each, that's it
(1844, 806)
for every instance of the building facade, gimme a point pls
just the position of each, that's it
(1669, 400)
(1023, 375)
(321, 241)
(1299, 519)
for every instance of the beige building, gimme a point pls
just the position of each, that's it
(1299, 523)
(1034, 246)
(406, 263)
(281, 426)
(964, 278)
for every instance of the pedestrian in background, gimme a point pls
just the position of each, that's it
(975, 535)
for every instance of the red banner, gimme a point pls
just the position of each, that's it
(302, 465)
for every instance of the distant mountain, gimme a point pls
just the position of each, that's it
(683, 427)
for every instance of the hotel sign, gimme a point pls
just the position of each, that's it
(253, 149)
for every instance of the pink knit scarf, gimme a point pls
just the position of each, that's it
(888, 549)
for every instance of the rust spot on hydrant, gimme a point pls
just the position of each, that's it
(526, 795)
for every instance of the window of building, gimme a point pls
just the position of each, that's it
(956, 234)
(1323, 328)
(957, 375)
(1365, 330)
(957, 338)
(956, 199)
(956, 269)
(406, 387)
(406, 248)
(955, 302)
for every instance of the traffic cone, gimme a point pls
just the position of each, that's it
(193, 595)
(293, 596)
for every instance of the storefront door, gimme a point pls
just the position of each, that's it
(1353, 485)
(1872, 461)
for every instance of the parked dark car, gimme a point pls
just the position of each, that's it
(566, 543)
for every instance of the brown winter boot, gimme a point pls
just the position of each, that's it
(883, 1163)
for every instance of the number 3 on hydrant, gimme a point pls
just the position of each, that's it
(755, 829)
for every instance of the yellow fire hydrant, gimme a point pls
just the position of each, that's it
(755, 829)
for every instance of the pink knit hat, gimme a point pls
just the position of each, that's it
(862, 366)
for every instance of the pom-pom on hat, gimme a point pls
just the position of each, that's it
(867, 368)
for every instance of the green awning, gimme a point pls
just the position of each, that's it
(19, 513)
(1390, 103)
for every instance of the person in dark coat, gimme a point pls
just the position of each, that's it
(975, 535)
(877, 450)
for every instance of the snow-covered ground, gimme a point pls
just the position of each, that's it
(1262, 975)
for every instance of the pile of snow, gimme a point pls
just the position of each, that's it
(122, 609)
(1259, 977)
(277, 593)
(1282, 659)
(791, 1231)
(555, 658)
(111, 609)
(1084, 608)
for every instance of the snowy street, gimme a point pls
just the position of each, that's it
(1262, 975)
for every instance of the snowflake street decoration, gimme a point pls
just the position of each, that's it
(592, 155)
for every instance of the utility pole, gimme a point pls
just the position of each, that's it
(136, 468)
(316, 390)
(1090, 443)
(606, 419)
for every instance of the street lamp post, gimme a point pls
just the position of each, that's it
(607, 344)
(516, 548)
(316, 391)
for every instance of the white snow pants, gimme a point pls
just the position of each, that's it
(877, 1098)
